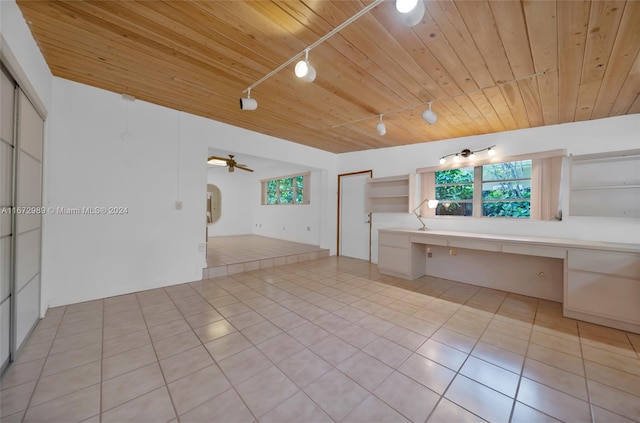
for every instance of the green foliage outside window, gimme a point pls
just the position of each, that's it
(454, 189)
(272, 192)
(506, 190)
(503, 182)
(299, 189)
(285, 190)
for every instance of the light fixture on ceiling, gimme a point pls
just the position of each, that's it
(432, 204)
(381, 127)
(468, 154)
(411, 11)
(248, 103)
(216, 162)
(429, 116)
(304, 70)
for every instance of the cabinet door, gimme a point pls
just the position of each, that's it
(393, 259)
(604, 296)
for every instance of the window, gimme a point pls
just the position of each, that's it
(286, 190)
(506, 189)
(454, 190)
(524, 186)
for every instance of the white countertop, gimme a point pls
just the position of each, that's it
(523, 239)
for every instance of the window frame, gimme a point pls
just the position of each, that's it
(506, 200)
(306, 194)
(546, 174)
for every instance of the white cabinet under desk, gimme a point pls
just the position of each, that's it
(597, 282)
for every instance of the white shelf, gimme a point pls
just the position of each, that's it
(606, 184)
(391, 194)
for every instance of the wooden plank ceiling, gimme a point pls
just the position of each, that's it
(474, 58)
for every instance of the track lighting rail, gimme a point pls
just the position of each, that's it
(404, 109)
(321, 40)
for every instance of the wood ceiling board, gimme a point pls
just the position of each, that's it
(511, 93)
(573, 21)
(604, 21)
(542, 27)
(198, 57)
(499, 104)
(457, 34)
(482, 26)
(629, 92)
(624, 52)
(511, 26)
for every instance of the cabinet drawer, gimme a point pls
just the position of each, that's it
(605, 296)
(534, 250)
(393, 259)
(475, 245)
(621, 264)
(394, 240)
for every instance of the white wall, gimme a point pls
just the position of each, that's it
(297, 223)
(288, 158)
(611, 134)
(106, 152)
(238, 200)
(18, 42)
(242, 212)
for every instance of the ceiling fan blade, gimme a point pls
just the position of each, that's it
(244, 168)
(217, 158)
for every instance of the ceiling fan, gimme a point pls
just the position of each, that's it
(230, 162)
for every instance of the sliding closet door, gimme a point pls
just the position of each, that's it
(30, 131)
(7, 110)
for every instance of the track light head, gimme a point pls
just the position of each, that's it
(248, 103)
(381, 128)
(443, 160)
(429, 116)
(304, 70)
(411, 11)
(491, 151)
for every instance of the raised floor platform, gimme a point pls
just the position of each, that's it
(228, 255)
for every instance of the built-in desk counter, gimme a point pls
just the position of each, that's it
(597, 282)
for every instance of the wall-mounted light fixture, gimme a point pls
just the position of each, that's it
(468, 154)
(381, 128)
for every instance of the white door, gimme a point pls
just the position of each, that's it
(355, 222)
(6, 202)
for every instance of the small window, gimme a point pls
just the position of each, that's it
(286, 190)
(506, 189)
(454, 190)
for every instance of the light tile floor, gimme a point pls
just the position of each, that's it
(321, 341)
(226, 250)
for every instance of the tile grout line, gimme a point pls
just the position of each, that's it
(166, 386)
(586, 376)
(524, 362)
(35, 386)
(466, 358)
(208, 352)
